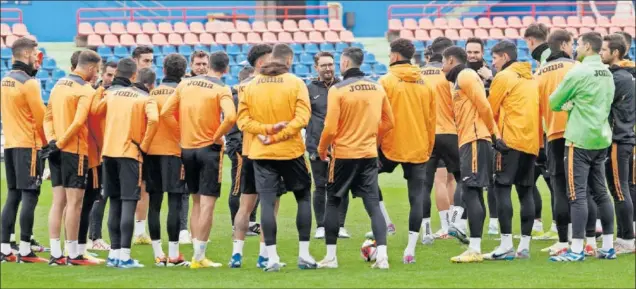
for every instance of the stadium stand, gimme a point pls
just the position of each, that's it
(233, 33)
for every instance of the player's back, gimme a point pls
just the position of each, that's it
(549, 76)
(22, 111)
(166, 140)
(236, 138)
(468, 90)
(200, 109)
(96, 125)
(69, 95)
(434, 76)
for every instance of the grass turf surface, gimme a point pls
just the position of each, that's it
(433, 268)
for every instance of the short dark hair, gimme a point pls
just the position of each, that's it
(475, 40)
(428, 51)
(628, 37)
(219, 61)
(112, 64)
(456, 52)
(281, 51)
(355, 54)
(75, 59)
(537, 31)
(440, 44)
(88, 57)
(616, 42)
(199, 54)
(320, 54)
(139, 50)
(245, 73)
(404, 47)
(256, 52)
(505, 47)
(594, 39)
(558, 37)
(146, 76)
(175, 65)
(126, 68)
(23, 44)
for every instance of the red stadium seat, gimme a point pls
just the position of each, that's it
(425, 23)
(620, 21)
(332, 37)
(511, 33)
(434, 33)
(559, 22)
(585, 30)
(228, 27)
(470, 23)
(274, 26)
(222, 38)
(134, 28)
(495, 33)
(165, 28)
(243, 26)
(465, 33)
(454, 23)
(83, 29)
(143, 39)
(254, 38)
(336, 25)
(407, 34)
(159, 39)
(10, 39)
(321, 25)
(514, 22)
(410, 24)
(175, 39)
(500, 22)
(258, 26)
(574, 31)
(206, 38)
(614, 29)
(270, 38)
(395, 25)
(290, 25)
(451, 34)
(111, 40)
(305, 25)
(214, 27)
(346, 36)
(601, 30)
(631, 31)
(238, 38)
(6, 30)
(545, 20)
(439, 23)
(181, 28)
(126, 40)
(422, 35)
(316, 37)
(197, 27)
(285, 37)
(527, 20)
(574, 21)
(300, 37)
(93, 40)
(601, 21)
(481, 33)
(101, 28)
(484, 22)
(149, 28)
(117, 28)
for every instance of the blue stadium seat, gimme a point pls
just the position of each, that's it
(419, 45)
(306, 59)
(297, 48)
(58, 73)
(296, 59)
(234, 70)
(366, 68)
(231, 81)
(380, 69)
(185, 50)
(48, 85)
(42, 50)
(488, 57)
(312, 69)
(461, 43)
(340, 46)
(240, 58)
(104, 52)
(301, 70)
(336, 58)
(168, 49)
(113, 59)
(429, 42)
(156, 51)
(3, 71)
(369, 58)
(327, 47)
(491, 42)
(49, 64)
(232, 49)
(232, 61)
(4, 65)
(358, 44)
(311, 48)
(308, 81)
(159, 73)
(522, 44)
(201, 47)
(245, 49)
(215, 48)
(42, 75)
(522, 55)
(122, 51)
(45, 97)
(5, 53)
(159, 61)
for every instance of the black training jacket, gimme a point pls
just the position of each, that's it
(622, 117)
(318, 91)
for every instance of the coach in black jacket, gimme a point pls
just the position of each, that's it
(318, 90)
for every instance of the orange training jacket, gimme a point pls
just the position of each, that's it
(549, 77)
(473, 116)
(166, 141)
(95, 131)
(22, 111)
(434, 76)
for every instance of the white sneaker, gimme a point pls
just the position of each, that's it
(342, 233)
(184, 237)
(428, 239)
(320, 233)
(98, 245)
(381, 264)
(493, 229)
(328, 264)
(623, 247)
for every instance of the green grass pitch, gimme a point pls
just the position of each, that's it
(433, 268)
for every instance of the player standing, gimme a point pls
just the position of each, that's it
(129, 110)
(199, 101)
(475, 129)
(586, 93)
(275, 107)
(358, 115)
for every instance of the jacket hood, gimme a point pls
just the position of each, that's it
(274, 68)
(406, 72)
(631, 70)
(626, 63)
(523, 69)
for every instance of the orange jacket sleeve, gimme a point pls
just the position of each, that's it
(331, 120)
(477, 95)
(81, 114)
(497, 94)
(432, 119)
(301, 116)
(36, 105)
(98, 107)
(246, 123)
(152, 124)
(49, 130)
(387, 120)
(170, 109)
(229, 115)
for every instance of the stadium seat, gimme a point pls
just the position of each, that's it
(181, 28)
(301, 37)
(190, 39)
(5, 53)
(228, 27)
(238, 38)
(231, 81)
(48, 85)
(156, 51)
(159, 74)
(369, 58)
(143, 39)
(327, 47)
(240, 58)
(380, 69)
(321, 25)
(214, 27)
(10, 39)
(222, 38)
(206, 38)
(305, 25)
(421, 35)
(253, 38)
(165, 28)
(149, 28)
(101, 28)
(495, 33)
(306, 59)
(316, 37)
(460, 43)
(93, 40)
(111, 40)
(527, 20)
(121, 51)
(117, 28)
(424, 23)
(407, 34)
(297, 48)
(346, 36)
(336, 25)
(332, 37)
(511, 33)
(301, 70)
(451, 34)
(514, 22)
(245, 48)
(32, 37)
(336, 58)
(134, 28)
(233, 49)
(340, 47)
(285, 37)
(215, 47)
(465, 33)
(410, 24)
(455, 23)
(436, 33)
(366, 68)
(57, 74)
(484, 22)
(311, 48)
(585, 30)
(357, 44)
(234, 70)
(159, 39)
(419, 45)
(521, 44)
(197, 27)
(470, 23)
(243, 26)
(601, 21)
(545, 20)
(574, 21)
(559, 22)
(126, 40)
(185, 50)
(168, 49)
(83, 29)
(631, 31)
(201, 47)
(104, 52)
(269, 37)
(113, 59)
(499, 22)
(481, 33)
(613, 29)
(601, 30)
(259, 26)
(439, 23)
(274, 26)
(42, 75)
(5, 29)
(19, 29)
(45, 97)
(491, 42)
(290, 25)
